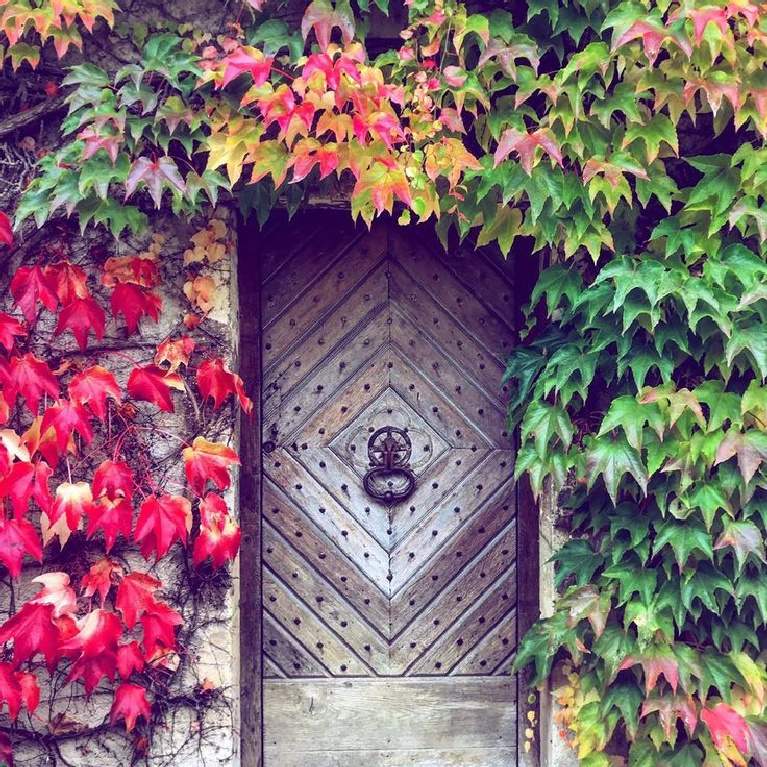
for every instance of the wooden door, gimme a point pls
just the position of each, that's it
(389, 630)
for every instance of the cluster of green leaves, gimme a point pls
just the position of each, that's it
(644, 384)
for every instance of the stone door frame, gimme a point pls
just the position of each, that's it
(535, 587)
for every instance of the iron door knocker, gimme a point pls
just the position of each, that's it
(389, 478)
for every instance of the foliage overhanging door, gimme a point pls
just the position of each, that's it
(389, 628)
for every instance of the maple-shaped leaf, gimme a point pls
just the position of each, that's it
(684, 539)
(82, 316)
(31, 378)
(135, 302)
(669, 710)
(92, 387)
(45, 442)
(216, 382)
(33, 630)
(153, 384)
(724, 722)
(161, 522)
(73, 501)
(55, 591)
(205, 461)
(66, 418)
(159, 625)
(69, 281)
(175, 352)
(744, 538)
(245, 59)
(129, 659)
(113, 479)
(613, 459)
(153, 174)
(17, 688)
(10, 328)
(29, 285)
(129, 704)
(18, 537)
(94, 648)
(100, 578)
(219, 536)
(142, 270)
(655, 661)
(525, 145)
(6, 233)
(24, 481)
(135, 594)
(749, 447)
(114, 517)
(321, 16)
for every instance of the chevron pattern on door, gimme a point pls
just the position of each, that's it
(363, 330)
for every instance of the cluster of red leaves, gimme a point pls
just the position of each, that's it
(52, 483)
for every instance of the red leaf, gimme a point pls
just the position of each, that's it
(6, 234)
(153, 384)
(65, 419)
(219, 536)
(69, 281)
(82, 316)
(322, 17)
(525, 144)
(113, 479)
(94, 648)
(25, 481)
(72, 501)
(159, 626)
(134, 302)
(135, 594)
(655, 662)
(113, 517)
(130, 703)
(30, 377)
(9, 328)
(175, 352)
(161, 522)
(33, 631)
(129, 659)
(30, 285)
(92, 387)
(205, 461)
(100, 578)
(139, 269)
(724, 722)
(153, 173)
(18, 537)
(57, 592)
(243, 60)
(16, 688)
(216, 382)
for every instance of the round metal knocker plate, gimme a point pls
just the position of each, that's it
(389, 478)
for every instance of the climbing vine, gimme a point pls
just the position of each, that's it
(621, 141)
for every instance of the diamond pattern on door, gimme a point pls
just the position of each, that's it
(364, 330)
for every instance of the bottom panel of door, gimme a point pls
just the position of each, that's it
(424, 722)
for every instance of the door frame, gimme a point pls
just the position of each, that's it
(246, 295)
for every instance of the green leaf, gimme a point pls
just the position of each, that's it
(555, 283)
(684, 540)
(577, 558)
(627, 698)
(749, 447)
(613, 459)
(753, 341)
(632, 416)
(542, 422)
(744, 538)
(659, 130)
(687, 756)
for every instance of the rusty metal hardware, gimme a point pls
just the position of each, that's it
(389, 478)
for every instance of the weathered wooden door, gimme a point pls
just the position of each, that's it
(389, 629)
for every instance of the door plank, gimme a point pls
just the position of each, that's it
(322, 715)
(463, 757)
(316, 638)
(492, 651)
(285, 654)
(318, 549)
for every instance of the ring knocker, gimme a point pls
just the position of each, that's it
(389, 478)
